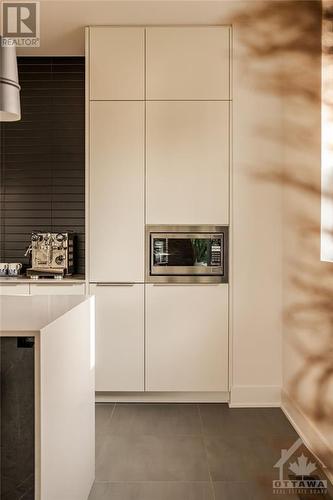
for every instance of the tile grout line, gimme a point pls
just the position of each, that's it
(108, 419)
(206, 451)
(112, 412)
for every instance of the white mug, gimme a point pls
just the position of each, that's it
(14, 268)
(3, 268)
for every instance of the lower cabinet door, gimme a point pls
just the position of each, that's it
(14, 289)
(187, 337)
(119, 337)
(58, 289)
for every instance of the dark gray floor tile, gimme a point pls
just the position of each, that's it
(241, 459)
(246, 491)
(229, 459)
(156, 419)
(103, 414)
(278, 423)
(219, 419)
(235, 491)
(152, 491)
(151, 458)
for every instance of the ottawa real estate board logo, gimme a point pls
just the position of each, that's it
(20, 24)
(297, 473)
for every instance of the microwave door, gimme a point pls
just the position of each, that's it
(186, 254)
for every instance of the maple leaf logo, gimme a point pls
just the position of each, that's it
(303, 467)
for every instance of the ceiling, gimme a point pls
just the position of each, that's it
(62, 22)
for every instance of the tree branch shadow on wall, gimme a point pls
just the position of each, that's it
(289, 34)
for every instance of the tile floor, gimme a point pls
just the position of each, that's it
(188, 452)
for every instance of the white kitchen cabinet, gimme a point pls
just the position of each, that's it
(187, 337)
(119, 337)
(188, 62)
(58, 289)
(116, 216)
(188, 162)
(116, 63)
(14, 289)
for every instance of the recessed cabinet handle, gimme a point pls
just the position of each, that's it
(57, 284)
(11, 284)
(114, 284)
(186, 284)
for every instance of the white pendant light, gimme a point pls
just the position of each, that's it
(10, 108)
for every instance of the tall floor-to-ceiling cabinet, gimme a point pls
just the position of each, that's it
(158, 152)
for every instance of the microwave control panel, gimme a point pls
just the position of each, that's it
(216, 252)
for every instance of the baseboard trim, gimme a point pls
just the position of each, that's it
(258, 396)
(162, 397)
(308, 432)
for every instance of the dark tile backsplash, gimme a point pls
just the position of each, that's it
(42, 157)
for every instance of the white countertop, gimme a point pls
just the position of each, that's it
(76, 278)
(32, 313)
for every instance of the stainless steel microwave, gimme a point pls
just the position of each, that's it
(187, 254)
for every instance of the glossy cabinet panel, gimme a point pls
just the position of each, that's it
(188, 62)
(188, 162)
(119, 337)
(14, 289)
(58, 289)
(187, 337)
(116, 234)
(116, 63)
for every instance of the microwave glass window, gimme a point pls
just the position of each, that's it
(187, 252)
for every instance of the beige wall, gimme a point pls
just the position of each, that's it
(257, 237)
(308, 283)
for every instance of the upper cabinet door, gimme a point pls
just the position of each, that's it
(188, 63)
(116, 63)
(116, 222)
(188, 162)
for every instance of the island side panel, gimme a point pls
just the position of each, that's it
(67, 375)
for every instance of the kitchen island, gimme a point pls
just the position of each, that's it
(60, 331)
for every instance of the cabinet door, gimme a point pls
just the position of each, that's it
(14, 289)
(188, 63)
(58, 289)
(187, 162)
(119, 337)
(116, 191)
(187, 337)
(116, 63)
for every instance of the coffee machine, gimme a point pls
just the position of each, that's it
(51, 255)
